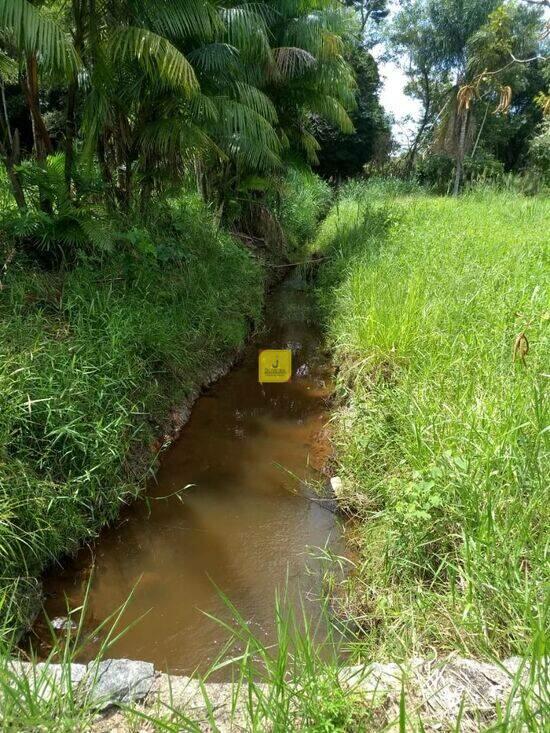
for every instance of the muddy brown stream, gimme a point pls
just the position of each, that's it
(245, 525)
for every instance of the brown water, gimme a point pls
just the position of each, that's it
(249, 451)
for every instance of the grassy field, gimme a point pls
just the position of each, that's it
(442, 434)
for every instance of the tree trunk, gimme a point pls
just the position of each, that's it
(70, 124)
(70, 130)
(426, 118)
(11, 159)
(478, 138)
(106, 174)
(10, 152)
(42, 141)
(460, 153)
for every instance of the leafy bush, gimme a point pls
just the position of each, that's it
(539, 151)
(435, 171)
(305, 198)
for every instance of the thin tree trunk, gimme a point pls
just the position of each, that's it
(16, 187)
(11, 158)
(70, 130)
(42, 141)
(70, 125)
(460, 153)
(478, 138)
(427, 109)
(6, 116)
(10, 153)
(106, 174)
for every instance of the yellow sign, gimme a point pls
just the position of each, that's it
(275, 365)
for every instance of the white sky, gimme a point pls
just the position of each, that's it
(404, 110)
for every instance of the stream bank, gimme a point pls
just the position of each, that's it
(448, 693)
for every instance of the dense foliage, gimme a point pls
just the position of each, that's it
(147, 93)
(478, 70)
(90, 362)
(343, 155)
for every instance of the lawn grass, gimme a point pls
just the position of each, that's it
(442, 434)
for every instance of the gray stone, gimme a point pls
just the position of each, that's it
(118, 681)
(47, 680)
(439, 690)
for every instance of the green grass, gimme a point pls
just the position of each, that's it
(91, 360)
(304, 200)
(299, 682)
(442, 437)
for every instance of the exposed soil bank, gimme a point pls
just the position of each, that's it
(230, 507)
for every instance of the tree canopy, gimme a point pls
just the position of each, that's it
(155, 90)
(477, 69)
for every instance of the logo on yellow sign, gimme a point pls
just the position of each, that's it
(275, 365)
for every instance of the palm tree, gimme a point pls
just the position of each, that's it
(164, 87)
(35, 42)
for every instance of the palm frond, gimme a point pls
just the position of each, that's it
(33, 32)
(310, 145)
(177, 137)
(252, 97)
(247, 136)
(332, 111)
(201, 107)
(246, 29)
(291, 61)
(251, 154)
(214, 58)
(9, 68)
(239, 119)
(179, 19)
(157, 56)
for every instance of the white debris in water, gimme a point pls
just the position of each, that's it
(62, 623)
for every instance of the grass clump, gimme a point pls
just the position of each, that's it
(303, 199)
(442, 439)
(91, 359)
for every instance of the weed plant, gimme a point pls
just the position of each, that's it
(299, 682)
